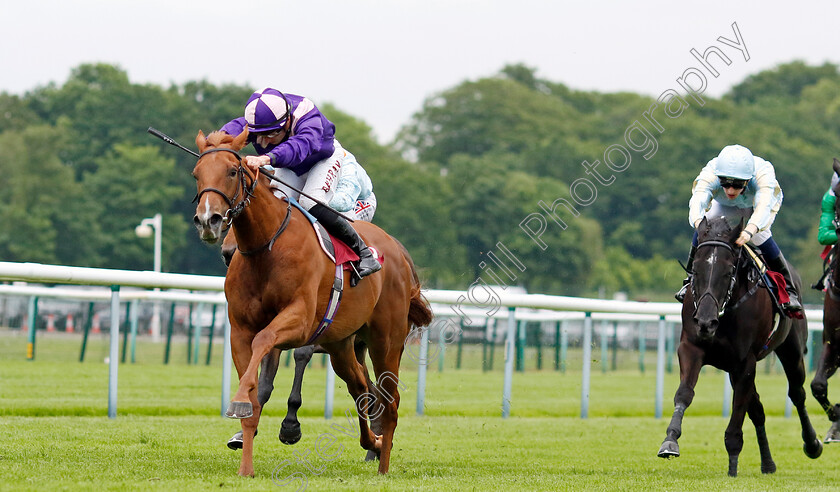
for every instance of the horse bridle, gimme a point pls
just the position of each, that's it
(729, 291)
(234, 208)
(247, 191)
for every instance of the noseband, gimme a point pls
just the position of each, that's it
(247, 191)
(721, 305)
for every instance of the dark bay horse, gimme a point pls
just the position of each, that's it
(830, 358)
(728, 322)
(277, 293)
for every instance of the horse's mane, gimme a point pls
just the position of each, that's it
(717, 228)
(218, 137)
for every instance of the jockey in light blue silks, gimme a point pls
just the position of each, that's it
(736, 184)
(353, 195)
(292, 137)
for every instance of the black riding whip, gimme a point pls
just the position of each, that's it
(166, 138)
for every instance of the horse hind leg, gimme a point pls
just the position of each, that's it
(376, 420)
(290, 427)
(343, 360)
(386, 364)
(826, 366)
(790, 355)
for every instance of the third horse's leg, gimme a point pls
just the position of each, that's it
(826, 366)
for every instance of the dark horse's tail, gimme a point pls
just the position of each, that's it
(419, 311)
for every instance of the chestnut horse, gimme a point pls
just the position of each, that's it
(278, 290)
(830, 358)
(728, 322)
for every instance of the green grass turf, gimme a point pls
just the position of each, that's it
(169, 436)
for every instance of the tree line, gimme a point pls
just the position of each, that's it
(457, 186)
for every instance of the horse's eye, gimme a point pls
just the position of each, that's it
(232, 173)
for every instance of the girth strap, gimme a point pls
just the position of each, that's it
(332, 305)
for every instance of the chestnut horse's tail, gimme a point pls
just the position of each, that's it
(419, 311)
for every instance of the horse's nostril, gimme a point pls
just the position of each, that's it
(215, 220)
(196, 221)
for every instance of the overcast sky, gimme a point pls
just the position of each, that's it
(378, 60)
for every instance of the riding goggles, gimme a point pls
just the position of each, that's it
(738, 184)
(272, 134)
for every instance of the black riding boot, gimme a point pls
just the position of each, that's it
(780, 265)
(339, 227)
(689, 265)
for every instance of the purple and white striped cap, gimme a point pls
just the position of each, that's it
(266, 110)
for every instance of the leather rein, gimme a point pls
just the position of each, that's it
(247, 192)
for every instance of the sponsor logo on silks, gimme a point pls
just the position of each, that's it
(362, 205)
(331, 175)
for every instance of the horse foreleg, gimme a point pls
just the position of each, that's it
(691, 360)
(290, 427)
(245, 404)
(756, 413)
(279, 332)
(268, 369)
(790, 355)
(241, 340)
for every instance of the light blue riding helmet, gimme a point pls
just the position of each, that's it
(735, 161)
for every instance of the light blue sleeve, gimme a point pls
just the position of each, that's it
(348, 188)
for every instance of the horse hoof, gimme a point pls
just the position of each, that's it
(240, 410)
(235, 442)
(669, 449)
(289, 434)
(769, 468)
(815, 450)
(833, 434)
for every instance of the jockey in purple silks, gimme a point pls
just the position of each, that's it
(294, 139)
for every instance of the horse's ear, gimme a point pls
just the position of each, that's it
(836, 166)
(200, 141)
(240, 141)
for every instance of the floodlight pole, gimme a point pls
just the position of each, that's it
(156, 223)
